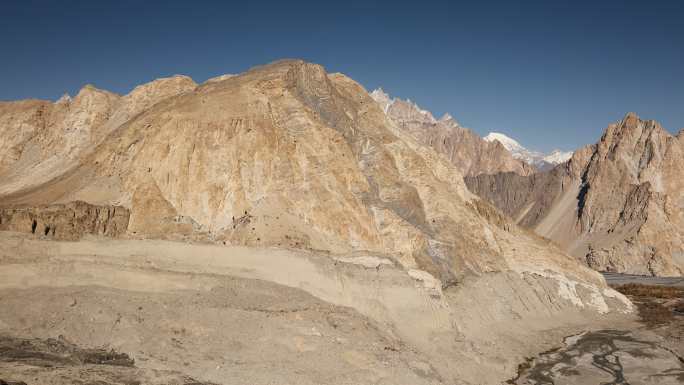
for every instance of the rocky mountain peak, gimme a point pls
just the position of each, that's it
(510, 143)
(616, 204)
(148, 94)
(380, 96)
(64, 99)
(163, 86)
(464, 148)
(90, 91)
(219, 78)
(634, 146)
(448, 119)
(632, 129)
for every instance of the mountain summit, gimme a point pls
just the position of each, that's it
(538, 159)
(617, 205)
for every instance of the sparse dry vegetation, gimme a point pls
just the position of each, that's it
(654, 314)
(651, 299)
(652, 291)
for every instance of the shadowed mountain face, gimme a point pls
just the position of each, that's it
(618, 205)
(471, 154)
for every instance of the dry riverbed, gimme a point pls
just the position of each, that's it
(650, 353)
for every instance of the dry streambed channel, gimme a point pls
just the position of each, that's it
(650, 353)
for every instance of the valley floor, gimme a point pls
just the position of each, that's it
(158, 312)
(651, 352)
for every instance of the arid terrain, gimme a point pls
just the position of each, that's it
(231, 315)
(651, 351)
(270, 227)
(617, 205)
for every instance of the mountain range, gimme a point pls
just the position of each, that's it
(626, 220)
(467, 150)
(538, 159)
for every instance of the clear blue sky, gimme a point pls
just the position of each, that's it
(549, 73)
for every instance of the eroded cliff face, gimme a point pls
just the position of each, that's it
(634, 185)
(617, 205)
(41, 140)
(68, 222)
(471, 154)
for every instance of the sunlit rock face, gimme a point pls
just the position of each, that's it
(617, 205)
(471, 154)
(283, 156)
(538, 159)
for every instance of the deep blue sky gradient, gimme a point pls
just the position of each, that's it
(548, 73)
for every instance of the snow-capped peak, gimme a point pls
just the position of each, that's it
(386, 102)
(447, 118)
(382, 98)
(379, 94)
(66, 98)
(409, 110)
(536, 158)
(558, 156)
(510, 144)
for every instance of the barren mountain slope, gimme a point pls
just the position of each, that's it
(289, 156)
(471, 154)
(619, 204)
(39, 140)
(286, 154)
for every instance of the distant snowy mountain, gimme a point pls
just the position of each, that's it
(538, 159)
(558, 156)
(460, 145)
(407, 111)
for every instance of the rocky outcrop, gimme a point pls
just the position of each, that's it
(69, 221)
(60, 362)
(48, 138)
(617, 205)
(465, 149)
